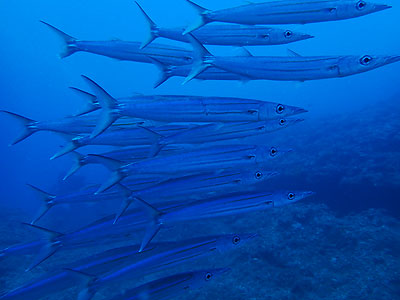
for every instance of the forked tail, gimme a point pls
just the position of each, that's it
(28, 125)
(153, 28)
(69, 41)
(202, 18)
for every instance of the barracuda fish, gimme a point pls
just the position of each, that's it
(62, 279)
(70, 125)
(123, 50)
(118, 193)
(229, 35)
(126, 155)
(192, 162)
(187, 109)
(171, 286)
(125, 137)
(195, 187)
(221, 132)
(184, 251)
(217, 207)
(103, 229)
(295, 68)
(287, 12)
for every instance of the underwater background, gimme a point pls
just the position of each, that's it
(343, 243)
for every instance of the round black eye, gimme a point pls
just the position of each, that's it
(288, 34)
(236, 240)
(258, 175)
(282, 122)
(273, 151)
(365, 60)
(361, 5)
(208, 276)
(280, 108)
(291, 196)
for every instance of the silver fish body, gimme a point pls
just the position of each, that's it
(287, 12)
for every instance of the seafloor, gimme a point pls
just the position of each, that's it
(304, 252)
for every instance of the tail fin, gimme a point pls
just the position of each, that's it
(92, 103)
(71, 146)
(47, 199)
(110, 111)
(200, 53)
(114, 166)
(79, 162)
(48, 249)
(154, 227)
(156, 146)
(153, 28)
(70, 47)
(165, 71)
(127, 201)
(201, 21)
(28, 124)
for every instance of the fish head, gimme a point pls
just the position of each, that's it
(232, 241)
(286, 36)
(265, 153)
(269, 110)
(202, 277)
(287, 197)
(357, 8)
(350, 65)
(282, 123)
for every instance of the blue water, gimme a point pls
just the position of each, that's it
(344, 242)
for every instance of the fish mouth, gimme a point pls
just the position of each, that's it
(379, 7)
(392, 59)
(308, 194)
(307, 36)
(299, 111)
(222, 271)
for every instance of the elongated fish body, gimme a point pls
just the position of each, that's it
(205, 185)
(226, 35)
(237, 35)
(300, 68)
(219, 207)
(183, 252)
(71, 125)
(226, 131)
(171, 286)
(197, 161)
(288, 12)
(124, 137)
(296, 68)
(125, 154)
(187, 109)
(131, 51)
(117, 194)
(60, 280)
(232, 205)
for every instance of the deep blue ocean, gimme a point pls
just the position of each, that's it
(341, 243)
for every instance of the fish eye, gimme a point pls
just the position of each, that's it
(236, 240)
(258, 175)
(273, 151)
(365, 60)
(265, 36)
(282, 122)
(291, 196)
(208, 276)
(288, 34)
(361, 5)
(280, 108)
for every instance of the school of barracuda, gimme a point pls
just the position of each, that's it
(180, 158)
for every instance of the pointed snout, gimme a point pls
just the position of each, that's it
(392, 59)
(307, 36)
(299, 111)
(221, 271)
(379, 7)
